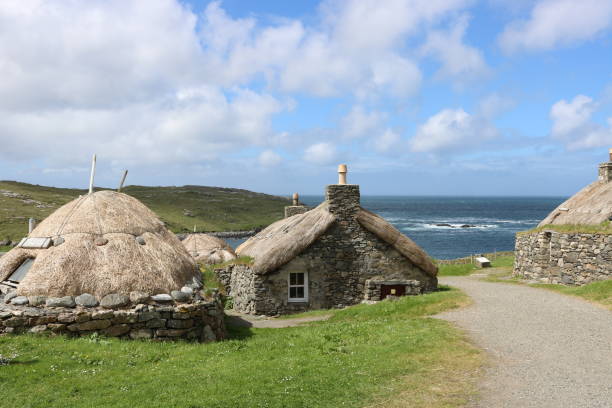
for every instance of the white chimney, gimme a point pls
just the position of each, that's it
(342, 170)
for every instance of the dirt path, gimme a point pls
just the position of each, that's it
(546, 349)
(244, 320)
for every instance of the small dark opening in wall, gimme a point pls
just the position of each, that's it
(21, 271)
(548, 234)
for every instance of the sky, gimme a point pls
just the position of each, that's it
(417, 97)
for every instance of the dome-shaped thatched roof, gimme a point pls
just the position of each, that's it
(208, 249)
(590, 206)
(112, 243)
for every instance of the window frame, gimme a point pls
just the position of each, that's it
(305, 286)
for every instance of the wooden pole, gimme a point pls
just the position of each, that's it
(122, 180)
(93, 173)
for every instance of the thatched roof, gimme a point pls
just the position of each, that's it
(404, 245)
(590, 206)
(285, 239)
(79, 265)
(208, 249)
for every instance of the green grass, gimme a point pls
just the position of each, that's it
(504, 261)
(597, 292)
(211, 208)
(603, 228)
(388, 354)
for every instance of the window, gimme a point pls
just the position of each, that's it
(21, 271)
(298, 287)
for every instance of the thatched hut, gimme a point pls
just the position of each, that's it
(573, 244)
(101, 243)
(208, 249)
(334, 255)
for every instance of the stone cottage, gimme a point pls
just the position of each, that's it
(104, 263)
(334, 255)
(573, 244)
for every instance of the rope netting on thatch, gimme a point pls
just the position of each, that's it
(208, 249)
(590, 206)
(120, 265)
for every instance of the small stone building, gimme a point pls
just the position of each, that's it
(573, 244)
(335, 255)
(104, 263)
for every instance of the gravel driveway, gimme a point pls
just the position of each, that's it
(546, 349)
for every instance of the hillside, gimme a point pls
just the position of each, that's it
(210, 208)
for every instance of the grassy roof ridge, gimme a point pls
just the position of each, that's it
(603, 229)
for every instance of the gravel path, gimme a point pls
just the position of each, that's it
(546, 349)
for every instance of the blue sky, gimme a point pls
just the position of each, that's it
(418, 97)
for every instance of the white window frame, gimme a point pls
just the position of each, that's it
(289, 286)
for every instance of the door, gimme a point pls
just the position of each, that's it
(393, 290)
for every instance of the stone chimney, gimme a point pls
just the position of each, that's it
(605, 169)
(343, 199)
(296, 208)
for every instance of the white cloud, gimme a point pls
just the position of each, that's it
(320, 153)
(388, 141)
(494, 104)
(573, 125)
(554, 23)
(451, 129)
(359, 123)
(459, 61)
(269, 158)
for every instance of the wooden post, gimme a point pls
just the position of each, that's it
(93, 173)
(122, 181)
(31, 225)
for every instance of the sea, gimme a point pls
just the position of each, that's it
(455, 227)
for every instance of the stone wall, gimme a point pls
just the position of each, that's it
(338, 265)
(198, 320)
(566, 258)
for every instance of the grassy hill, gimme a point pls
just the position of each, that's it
(210, 208)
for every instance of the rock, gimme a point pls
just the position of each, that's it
(90, 325)
(44, 320)
(38, 329)
(4, 315)
(468, 226)
(196, 282)
(56, 327)
(19, 300)
(124, 317)
(58, 241)
(138, 297)
(170, 333)
(82, 317)
(208, 335)
(9, 296)
(14, 322)
(37, 300)
(117, 330)
(444, 225)
(86, 300)
(145, 316)
(141, 334)
(162, 298)
(5, 242)
(114, 301)
(141, 308)
(188, 290)
(101, 241)
(66, 318)
(179, 324)
(180, 296)
(156, 323)
(181, 315)
(141, 241)
(102, 314)
(66, 301)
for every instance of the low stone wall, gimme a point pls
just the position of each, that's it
(198, 320)
(566, 258)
